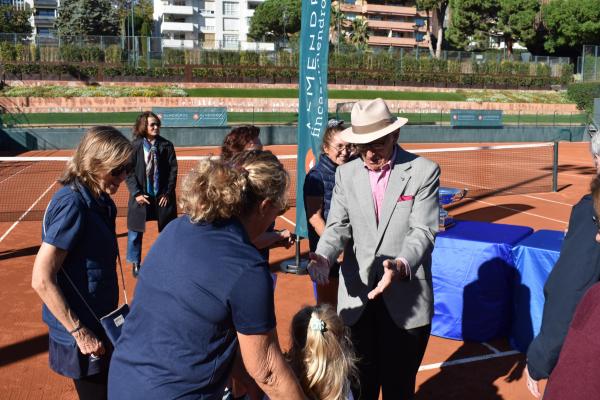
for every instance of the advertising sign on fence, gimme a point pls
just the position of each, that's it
(312, 101)
(475, 118)
(182, 117)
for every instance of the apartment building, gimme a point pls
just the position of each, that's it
(390, 23)
(44, 14)
(207, 23)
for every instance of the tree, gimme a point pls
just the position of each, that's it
(13, 20)
(475, 21)
(471, 22)
(359, 33)
(438, 8)
(336, 26)
(570, 25)
(87, 17)
(274, 17)
(516, 21)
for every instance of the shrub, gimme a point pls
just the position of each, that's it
(583, 94)
(91, 54)
(7, 52)
(113, 54)
(173, 56)
(70, 53)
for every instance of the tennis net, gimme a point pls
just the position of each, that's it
(28, 183)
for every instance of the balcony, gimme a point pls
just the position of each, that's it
(44, 21)
(178, 10)
(45, 3)
(352, 8)
(394, 25)
(177, 27)
(178, 43)
(394, 10)
(207, 29)
(396, 42)
(207, 13)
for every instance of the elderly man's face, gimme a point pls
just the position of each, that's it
(597, 163)
(377, 153)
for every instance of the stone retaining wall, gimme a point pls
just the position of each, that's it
(121, 104)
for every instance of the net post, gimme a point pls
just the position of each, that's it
(555, 168)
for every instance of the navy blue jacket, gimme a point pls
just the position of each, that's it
(319, 182)
(576, 270)
(85, 227)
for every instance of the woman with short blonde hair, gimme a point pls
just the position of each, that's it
(77, 259)
(215, 191)
(206, 293)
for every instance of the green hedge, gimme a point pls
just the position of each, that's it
(583, 94)
(277, 67)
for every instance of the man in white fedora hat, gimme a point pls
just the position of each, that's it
(384, 216)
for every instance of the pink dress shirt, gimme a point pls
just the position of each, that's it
(379, 181)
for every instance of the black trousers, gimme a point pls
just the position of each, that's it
(389, 356)
(93, 387)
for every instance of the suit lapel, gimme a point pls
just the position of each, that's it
(365, 197)
(399, 177)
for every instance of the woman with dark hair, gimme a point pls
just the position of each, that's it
(239, 139)
(151, 184)
(245, 138)
(206, 294)
(75, 267)
(318, 189)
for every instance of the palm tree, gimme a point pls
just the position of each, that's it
(359, 35)
(336, 26)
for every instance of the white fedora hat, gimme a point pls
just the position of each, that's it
(371, 120)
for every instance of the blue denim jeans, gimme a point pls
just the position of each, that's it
(134, 246)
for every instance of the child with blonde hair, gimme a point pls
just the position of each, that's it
(322, 355)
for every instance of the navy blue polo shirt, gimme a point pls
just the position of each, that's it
(198, 286)
(84, 226)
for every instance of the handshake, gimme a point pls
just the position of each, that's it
(393, 269)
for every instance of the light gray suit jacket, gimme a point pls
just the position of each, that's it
(407, 227)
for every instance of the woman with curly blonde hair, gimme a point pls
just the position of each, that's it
(322, 355)
(206, 293)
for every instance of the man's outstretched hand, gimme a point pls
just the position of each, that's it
(318, 268)
(392, 269)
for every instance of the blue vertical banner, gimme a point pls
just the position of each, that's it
(312, 95)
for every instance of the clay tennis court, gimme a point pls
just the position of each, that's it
(450, 370)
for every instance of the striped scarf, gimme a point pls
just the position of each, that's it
(151, 168)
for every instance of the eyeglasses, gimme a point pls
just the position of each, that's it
(596, 222)
(339, 148)
(127, 168)
(377, 145)
(154, 124)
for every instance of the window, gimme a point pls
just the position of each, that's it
(43, 31)
(230, 8)
(419, 36)
(230, 24)
(230, 41)
(209, 24)
(419, 22)
(44, 12)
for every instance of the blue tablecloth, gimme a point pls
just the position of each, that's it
(473, 274)
(534, 259)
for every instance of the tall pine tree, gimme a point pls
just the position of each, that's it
(87, 17)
